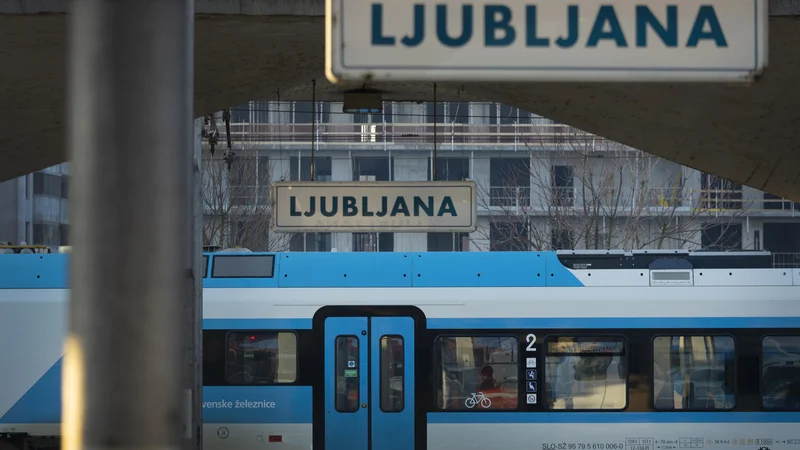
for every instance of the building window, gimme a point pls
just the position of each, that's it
(303, 113)
(249, 177)
(257, 358)
(448, 242)
(562, 186)
(721, 237)
(373, 242)
(508, 115)
(300, 168)
(458, 112)
(780, 372)
(47, 184)
(64, 234)
(719, 193)
(429, 110)
(388, 113)
(46, 234)
(693, 372)
(240, 114)
(64, 186)
(449, 169)
(372, 169)
(509, 236)
(477, 373)
(310, 242)
(259, 112)
(561, 239)
(509, 182)
(776, 202)
(586, 373)
(323, 112)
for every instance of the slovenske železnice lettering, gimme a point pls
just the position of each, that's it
(351, 207)
(500, 29)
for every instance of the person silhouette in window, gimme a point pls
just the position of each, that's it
(487, 379)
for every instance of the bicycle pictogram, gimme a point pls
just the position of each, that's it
(478, 398)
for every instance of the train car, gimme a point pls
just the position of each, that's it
(580, 350)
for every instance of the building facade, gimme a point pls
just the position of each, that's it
(33, 208)
(542, 185)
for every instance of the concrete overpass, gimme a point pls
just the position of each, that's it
(252, 49)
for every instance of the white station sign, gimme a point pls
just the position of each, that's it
(576, 40)
(359, 206)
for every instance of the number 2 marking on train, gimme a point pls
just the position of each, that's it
(531, 340)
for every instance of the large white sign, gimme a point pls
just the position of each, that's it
(546, 40)
(361, 206)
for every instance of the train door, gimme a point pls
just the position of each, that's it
(368, 388)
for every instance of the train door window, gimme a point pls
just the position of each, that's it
(585, 373)
(780, 372)
(261, 357)
(693, 372)
(347, 374)
(392, 373)
(477, 373)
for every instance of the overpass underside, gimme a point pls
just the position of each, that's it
(748, 134)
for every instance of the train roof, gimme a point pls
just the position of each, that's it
(241, 268)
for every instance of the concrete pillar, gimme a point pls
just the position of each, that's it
(130, 78)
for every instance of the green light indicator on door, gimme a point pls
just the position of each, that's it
(350, 373)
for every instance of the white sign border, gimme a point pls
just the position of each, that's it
(375, 184)
(337, 73)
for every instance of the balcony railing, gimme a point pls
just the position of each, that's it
(653, 199)
(332, 134)
(777, 205)
(786, 260)
(558, 196)
(510, 196)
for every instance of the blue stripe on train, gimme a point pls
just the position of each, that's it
(292, 404)
(534, 324)
(257, 404)
(345, 269)
(229, 404)
(613, 417)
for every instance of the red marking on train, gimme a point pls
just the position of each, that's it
(276, 438)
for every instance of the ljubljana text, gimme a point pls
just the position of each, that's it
(501, 29)
(352, 207)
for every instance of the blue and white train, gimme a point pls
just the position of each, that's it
(414, 351)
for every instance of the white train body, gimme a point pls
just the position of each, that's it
(508, 351)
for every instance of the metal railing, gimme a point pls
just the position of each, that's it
(654, 199)
(574, 197)
(777, 205)
(332, 134)
(510, 196)
(786, 260)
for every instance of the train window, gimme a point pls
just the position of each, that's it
(693, 372)
(392, 360)
(585, 373)
(243, 266)
(780, 372)
(347, 374)
(477, 373)
(261, 357)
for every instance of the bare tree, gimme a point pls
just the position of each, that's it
(236, 199)
(583, 191)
